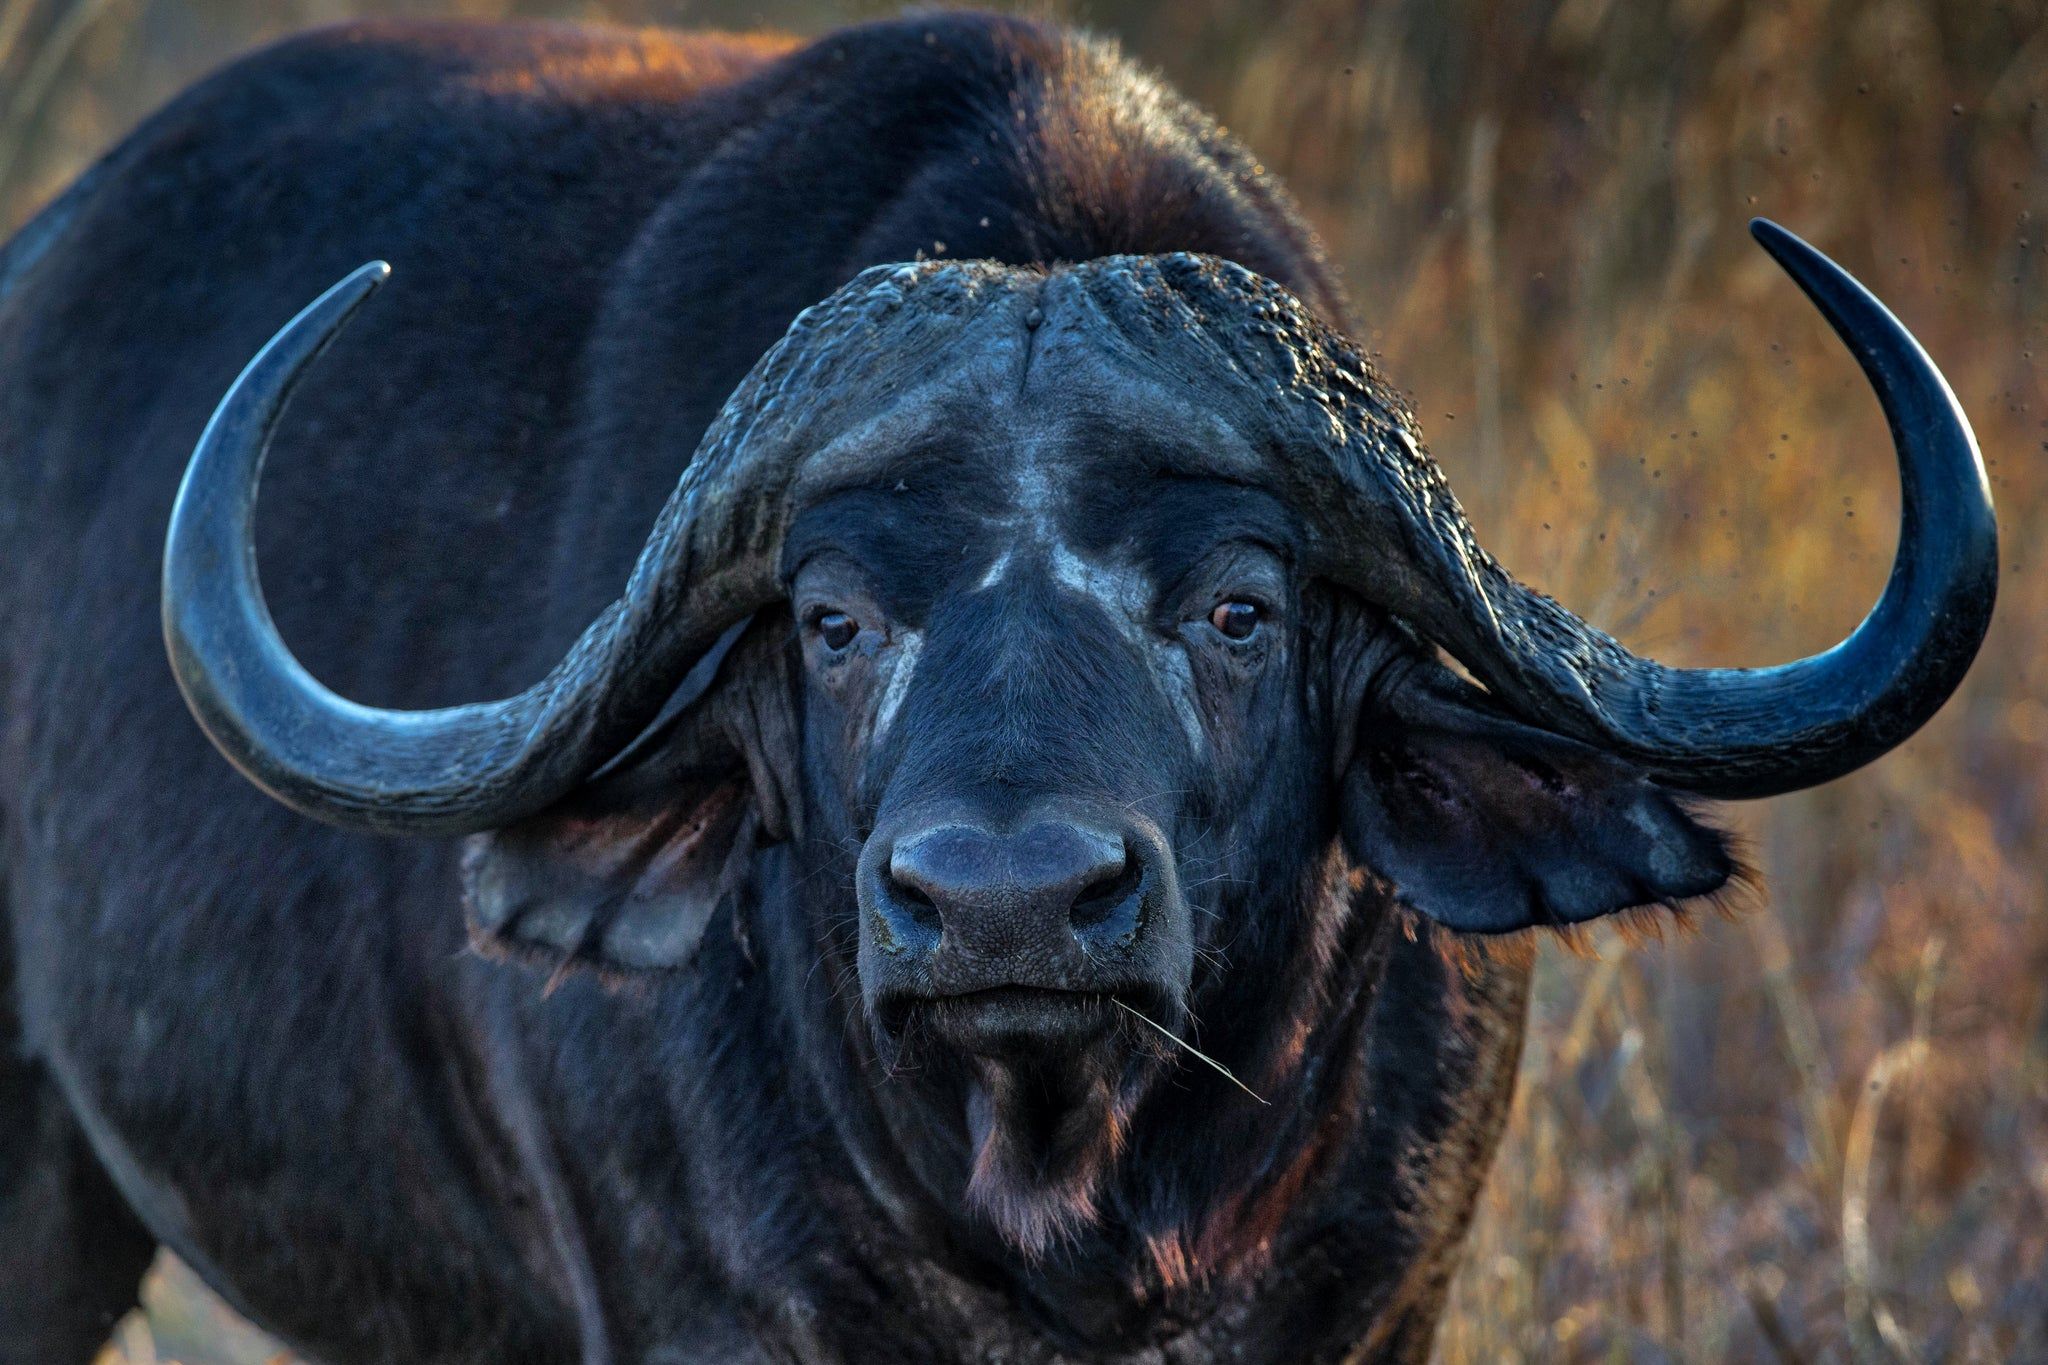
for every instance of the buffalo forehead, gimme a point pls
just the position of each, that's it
(1018, 437)
(1005, 456)
(1016, 390)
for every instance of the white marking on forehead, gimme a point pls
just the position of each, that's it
(1035, 494)
(1178, 681)
(1122, 592)
(996, 570)
(901, 666)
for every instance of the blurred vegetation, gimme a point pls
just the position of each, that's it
(1820, 1131)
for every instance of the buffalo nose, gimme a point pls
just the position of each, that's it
(1006, 895)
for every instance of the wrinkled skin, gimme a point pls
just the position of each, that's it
(756, 1118)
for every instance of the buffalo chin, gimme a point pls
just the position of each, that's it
(1043, 1132)
(1044, 1082)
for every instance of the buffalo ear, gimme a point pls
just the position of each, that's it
(629, 871)
(629, 889)
(1487, 825)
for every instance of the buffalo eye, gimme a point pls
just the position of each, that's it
(1235, 620)
(836, 629)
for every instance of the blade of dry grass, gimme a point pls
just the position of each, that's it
(1189, 1047)
(1873, 1331)
(25, 107)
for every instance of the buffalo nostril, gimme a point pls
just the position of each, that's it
(912, 902)
(916, 882)
(901, 912)
(1102, 898)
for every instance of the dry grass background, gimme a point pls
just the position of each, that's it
(1820, 1132)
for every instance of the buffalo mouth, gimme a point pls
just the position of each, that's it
(1022, 1023)
(1028, 1025)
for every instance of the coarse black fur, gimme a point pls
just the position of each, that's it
(385, 1147)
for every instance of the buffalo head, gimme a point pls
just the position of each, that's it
(1071, 626)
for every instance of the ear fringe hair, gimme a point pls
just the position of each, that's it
(1638, 926)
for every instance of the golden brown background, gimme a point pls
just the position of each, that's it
(1818, 1132)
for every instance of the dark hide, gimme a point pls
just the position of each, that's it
(384, 1146)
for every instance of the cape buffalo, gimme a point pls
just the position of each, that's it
(1031, 676)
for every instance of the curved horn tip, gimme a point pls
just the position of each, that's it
(320, 321)
(1812, 269)
(1860, 318)
(1770, 235)
(360, 283)
(1799, 258)
(346, 294)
